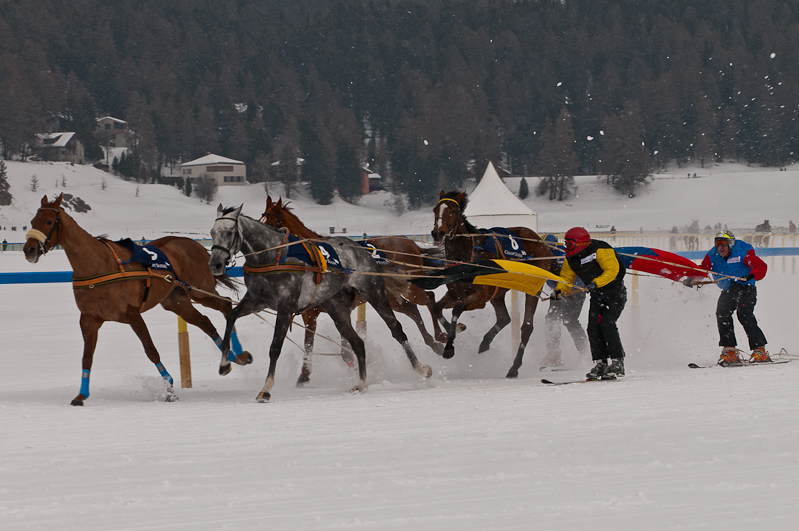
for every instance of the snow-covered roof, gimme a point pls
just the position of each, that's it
(55, 139)
(491, 204)
(117, 120)
(211, 159)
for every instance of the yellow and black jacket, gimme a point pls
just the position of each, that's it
(597, 263)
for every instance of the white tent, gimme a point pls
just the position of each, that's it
(491, 204)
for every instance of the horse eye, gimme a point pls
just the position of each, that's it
(49, 221)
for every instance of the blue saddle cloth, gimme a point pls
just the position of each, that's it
(510, 243)
(377, 255)
(300, 252)
(148, 255)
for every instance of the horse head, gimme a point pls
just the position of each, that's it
(274, 213)
(44, 233)
(226, 236)
(449, 215)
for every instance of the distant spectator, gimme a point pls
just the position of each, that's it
(5, 244)
(791, 227)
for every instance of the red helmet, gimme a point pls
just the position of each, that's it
(577, 238)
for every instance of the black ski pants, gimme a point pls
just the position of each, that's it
(603, 334)
(740, 298)
(565, 311)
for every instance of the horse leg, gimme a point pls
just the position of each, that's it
(503, 319)
(247, 306)
(179, 298)
(88, 327)
(309, 318)
(439, 334)
(410, 309)
(281, 329)
(530, 305)
(140, 328)
(379, 302)
(339, 310)
(449, 348)
(179, 303)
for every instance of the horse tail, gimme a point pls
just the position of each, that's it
(228, 281)
(398, 285)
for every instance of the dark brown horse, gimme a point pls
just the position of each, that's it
(405, 257)
(463, 243)
(106, 289)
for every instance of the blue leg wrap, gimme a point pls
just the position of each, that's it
(165, 375)
(234, 342)
(84, 383)
(231, 355)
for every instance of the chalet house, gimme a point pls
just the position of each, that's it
(224, 170)
(59, 147)
(370, 181)
(114, 131)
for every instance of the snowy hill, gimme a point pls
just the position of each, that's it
(731, 194)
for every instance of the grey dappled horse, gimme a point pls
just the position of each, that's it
(291, 292)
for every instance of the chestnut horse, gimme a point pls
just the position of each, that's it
(406, 258)
(106, 290)
(463, 243)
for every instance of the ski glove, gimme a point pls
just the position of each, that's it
(688, 282)
(591, 286)
(750, 276)
(556, 295)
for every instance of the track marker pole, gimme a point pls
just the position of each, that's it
(185, 356)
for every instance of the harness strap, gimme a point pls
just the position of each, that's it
(123, 274)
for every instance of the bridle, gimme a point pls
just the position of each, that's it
(229, 251)
(39, 236)
(457, 222)
(279, 218)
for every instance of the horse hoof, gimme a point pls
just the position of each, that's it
(263, 398)
(225, 369)
(484, 347)
(448, 353)
(427, 372)
(460, 328)
(302, 380)
(360, 388)
(513, 373)
(171, 398)
(245, 358)
(76, 402)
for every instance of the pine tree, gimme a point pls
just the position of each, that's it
(524, 191)
(5, 195)
(348, 173)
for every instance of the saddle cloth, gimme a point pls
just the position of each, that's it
(377, 255)
(302, 252)
(148, 255)
(510, 245)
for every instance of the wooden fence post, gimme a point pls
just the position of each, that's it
(185, 356)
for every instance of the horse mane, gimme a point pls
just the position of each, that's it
(463, 204)
(228, 210)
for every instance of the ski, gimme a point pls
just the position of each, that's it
(553, 369)
(603, 379)
(740, 364)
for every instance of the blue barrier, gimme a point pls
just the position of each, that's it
(47, 277)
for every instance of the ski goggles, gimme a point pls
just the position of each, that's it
(722, 243)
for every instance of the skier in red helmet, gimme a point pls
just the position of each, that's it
(599, 267)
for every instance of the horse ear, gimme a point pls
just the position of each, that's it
(269, 202)
(219, 210)
(57, 202)
(237, 212)
(280, 202)
(442, 194)
(460, 197)
(44, 200)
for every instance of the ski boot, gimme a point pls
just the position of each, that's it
(616, 367)
(729, 357)
(599, 371)
(759, 355)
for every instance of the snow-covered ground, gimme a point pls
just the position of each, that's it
(665, 448)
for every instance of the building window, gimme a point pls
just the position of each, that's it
(216, 169)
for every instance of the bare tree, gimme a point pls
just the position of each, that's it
(206, 187)
(34, 183)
